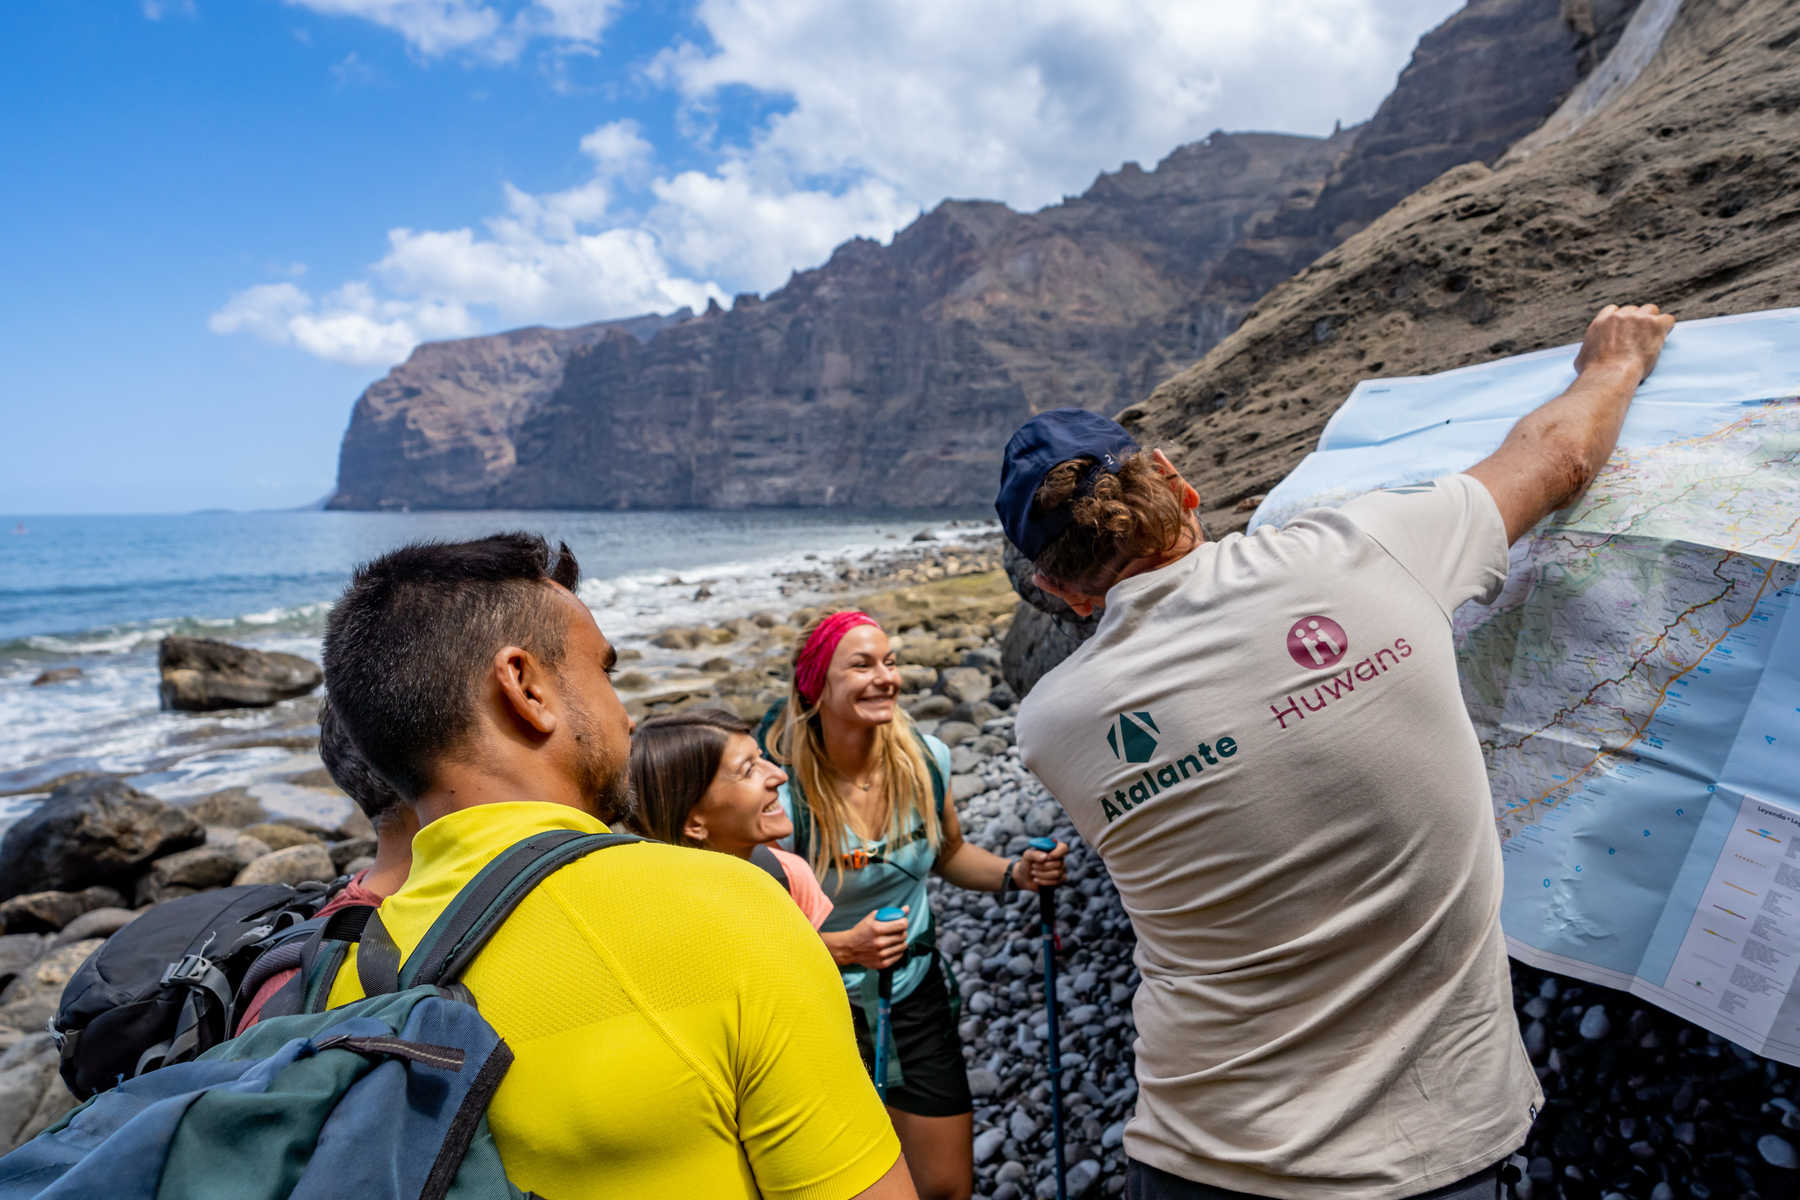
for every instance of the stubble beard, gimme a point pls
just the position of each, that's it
(605, 785)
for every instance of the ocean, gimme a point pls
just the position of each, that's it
(99, 592)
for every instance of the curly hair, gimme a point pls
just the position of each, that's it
(1123, 516)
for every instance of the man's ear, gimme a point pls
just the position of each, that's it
(1081, 602)
(526, 688)
(1184, 491)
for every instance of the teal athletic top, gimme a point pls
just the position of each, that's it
(895, 876)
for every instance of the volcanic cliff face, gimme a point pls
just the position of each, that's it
(889, 376)
(1486, 77)
(892, 375)
(437, 432)
(1681, 189)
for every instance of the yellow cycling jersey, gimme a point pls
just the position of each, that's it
(678, 1029)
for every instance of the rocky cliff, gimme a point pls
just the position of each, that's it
(892, 374)
(841, 387)
(1680, 188)
(438, 430)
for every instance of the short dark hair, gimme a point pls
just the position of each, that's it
(673, 761)
(352, 772)
(414, 632)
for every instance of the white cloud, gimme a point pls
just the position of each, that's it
(493, 30)
(156, 10)
(1024, 100)
(349, 326)
(879, 109)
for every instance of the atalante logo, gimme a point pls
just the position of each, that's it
(1132, 737)
(1317, 641)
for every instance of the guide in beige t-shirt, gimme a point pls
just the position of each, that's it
(1265, 742)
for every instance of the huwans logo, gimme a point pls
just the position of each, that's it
(1133, 737)
(1317, 641)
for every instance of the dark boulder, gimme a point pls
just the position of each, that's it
(1044, 630)
(47, 912)
(56, 675)
(93, 831)
(200, 675)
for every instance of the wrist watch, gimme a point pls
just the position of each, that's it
(1008, 882)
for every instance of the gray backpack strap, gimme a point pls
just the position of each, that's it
(763, 857)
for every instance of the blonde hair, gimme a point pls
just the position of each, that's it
(1125, 516)
(799, 746)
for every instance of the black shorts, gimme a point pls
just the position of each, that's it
(934, 1082)
(1143, 1182)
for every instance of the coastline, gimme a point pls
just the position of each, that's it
(98, 714)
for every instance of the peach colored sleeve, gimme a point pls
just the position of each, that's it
(803, 886)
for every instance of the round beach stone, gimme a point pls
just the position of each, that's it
(296, 864)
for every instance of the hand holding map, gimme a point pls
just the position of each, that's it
(1636, 686)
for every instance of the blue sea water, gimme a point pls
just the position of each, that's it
(99, 593)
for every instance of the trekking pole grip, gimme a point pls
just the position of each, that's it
(1046, 896)
(884, 983)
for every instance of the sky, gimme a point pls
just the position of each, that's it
(222, 219)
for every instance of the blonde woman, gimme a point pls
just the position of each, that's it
(868, 796)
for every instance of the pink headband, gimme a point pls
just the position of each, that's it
(815, 656)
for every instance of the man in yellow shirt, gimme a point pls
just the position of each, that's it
(678, 1030)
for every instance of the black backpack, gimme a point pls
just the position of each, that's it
(167, 986)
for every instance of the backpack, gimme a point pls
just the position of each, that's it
(381, 1099)
(166, 987)
(761, 856)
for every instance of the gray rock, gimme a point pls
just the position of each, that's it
(18, 951)
(233, 807)
(1035, 643)
(349, 850)
(1114, 1136)
(100, 923)
(27, 1073)
(56, 675)
(31, 999)
(983, 1083)
(1777, 1152)
(953, 733)
(964, 760)
(1022, 1125)
(296, 864)
(201, 675)
(965, 787)
(964, 685)
(280, 835)
(988, 1143)
(93, 831)
(925, 708)
(212, 865)
(47, 912)
(1594, 1023)
(915, 677)
(1082, 1177)
(1042, 819)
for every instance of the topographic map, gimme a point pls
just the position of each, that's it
(1636, 686)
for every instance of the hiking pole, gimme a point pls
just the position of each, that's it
(884, 1014)
(1047, 916)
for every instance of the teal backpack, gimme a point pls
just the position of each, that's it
(381, 1099)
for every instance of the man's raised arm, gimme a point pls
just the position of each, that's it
(1554, 452)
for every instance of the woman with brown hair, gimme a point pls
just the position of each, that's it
(868, 795)
(701, 780)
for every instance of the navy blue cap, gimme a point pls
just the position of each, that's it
(1041, 443)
